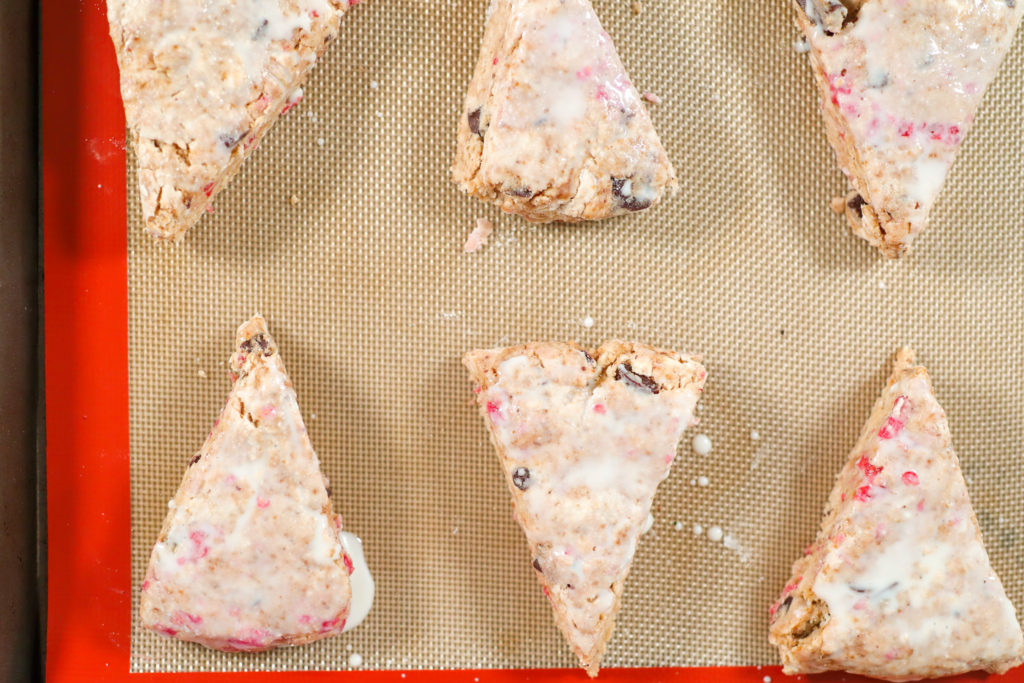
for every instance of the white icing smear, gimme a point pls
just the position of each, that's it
(363, 587)
(322, 548)
(927, 178)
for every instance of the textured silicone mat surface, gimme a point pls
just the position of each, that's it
(344, 231)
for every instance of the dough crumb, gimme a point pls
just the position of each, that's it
(294, 199)
(638, 8)
(652, 98)
(478, 238)
(202, 373)
(838, 204)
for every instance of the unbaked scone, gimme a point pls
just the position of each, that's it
(250, 556)
(553, 129)
(898, 584)
(584, 441)
(901, 82)
(202, 81)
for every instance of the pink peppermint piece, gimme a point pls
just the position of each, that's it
(863, 493)
(869, 470)
(292, 103)
(335, 624)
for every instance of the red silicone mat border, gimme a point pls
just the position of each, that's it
(86, 356)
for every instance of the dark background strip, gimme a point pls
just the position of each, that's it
(19, 376)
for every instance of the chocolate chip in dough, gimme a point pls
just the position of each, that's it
(622, 188)
(521, 478)
(624, 373)
(473, 118)
(856, 204)
(259, 340)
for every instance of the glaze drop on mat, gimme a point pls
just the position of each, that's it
(251, 555)
(202, 82)
(898, 584)
(901, 83)
(553, 129)
(584, 441)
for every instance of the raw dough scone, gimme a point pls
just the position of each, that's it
(898, 584)
(249, 557)
(553, 129)
(202, 81)
(901, 82)
(584, 441)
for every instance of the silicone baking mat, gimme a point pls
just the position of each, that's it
(345, 232)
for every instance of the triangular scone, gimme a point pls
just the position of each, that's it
(585, 441)
(249, 556)
(900, 82)
(898, 584)
(553, 129)
(202, 81)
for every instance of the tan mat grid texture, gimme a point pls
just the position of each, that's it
(344, 230)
